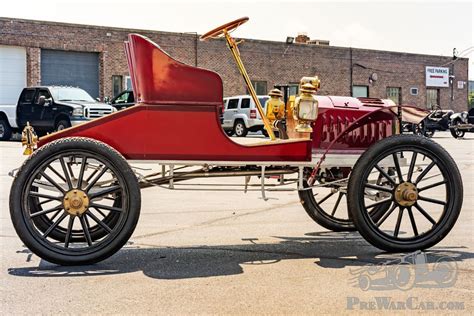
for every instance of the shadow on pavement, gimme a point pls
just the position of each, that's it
(328, 249)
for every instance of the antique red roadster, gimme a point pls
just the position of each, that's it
(76, 199)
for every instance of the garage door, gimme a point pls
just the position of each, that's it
(12, 73)
(68, 68)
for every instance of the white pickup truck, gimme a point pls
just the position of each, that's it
(7, 121)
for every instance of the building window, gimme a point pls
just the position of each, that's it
(260, 87)
(394, 94)
(360, 91)
(432, 98)
(128, 83)
(414, 91)
(117, 85)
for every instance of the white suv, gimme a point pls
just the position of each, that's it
(241, 115)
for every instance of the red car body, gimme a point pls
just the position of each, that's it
(177, 117)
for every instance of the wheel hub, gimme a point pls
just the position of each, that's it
(406, 194)
(76, 202)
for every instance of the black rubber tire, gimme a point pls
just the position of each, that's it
(456, 133)
(28, 234)
(62, 124)
(6, 133)
(239, 129)
(355, 197)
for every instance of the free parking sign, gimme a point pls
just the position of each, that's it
(437, 76)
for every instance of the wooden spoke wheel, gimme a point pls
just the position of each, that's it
(327, 206)
(425, 193)
(75, 201)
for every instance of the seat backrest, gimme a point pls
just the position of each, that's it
(159, 79)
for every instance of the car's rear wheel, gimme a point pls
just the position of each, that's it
(239, 129)
(5, 130)
(75, 201)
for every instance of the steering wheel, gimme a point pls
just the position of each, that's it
(228, 27)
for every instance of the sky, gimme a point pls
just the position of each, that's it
(428, 27)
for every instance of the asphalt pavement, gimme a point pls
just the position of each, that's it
(234, 253)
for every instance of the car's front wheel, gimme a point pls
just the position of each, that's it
(75, 201)
(62, 124)
(455, 131)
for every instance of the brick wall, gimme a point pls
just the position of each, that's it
(274, 62)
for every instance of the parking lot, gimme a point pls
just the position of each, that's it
(230, 252)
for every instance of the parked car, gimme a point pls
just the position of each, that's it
(437, 120)
(123, 100)
(461, 123)
(50, 108)
(241, 115)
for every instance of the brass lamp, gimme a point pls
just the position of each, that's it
(306, 108)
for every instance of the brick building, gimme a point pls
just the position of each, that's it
(49, 48)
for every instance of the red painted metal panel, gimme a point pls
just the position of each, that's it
(177, 116)
(337, 113)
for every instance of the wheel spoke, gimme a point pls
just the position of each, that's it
(54, 225)
(397, 167)
(45, 201)
(422, 211)
(60, 176)
(50, 180)
(337, 203)
(412, 166)
(57, 208)
(105, 191)
(431, 200)
(69, 231)
(54, 215)
(99, 222)
(389, 178)
(427, 169)
(50, 197)
(100, 212)
(378, 203)
(412, 220)
(379, 188)
(399, 221)
(86, 230)
(92, 175)
(81, 172)
(106, 207)
(432, 185)
(66, 173)
(326, 197)
(93, 182)
(386, 215)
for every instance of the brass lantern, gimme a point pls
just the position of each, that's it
(306, 108)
